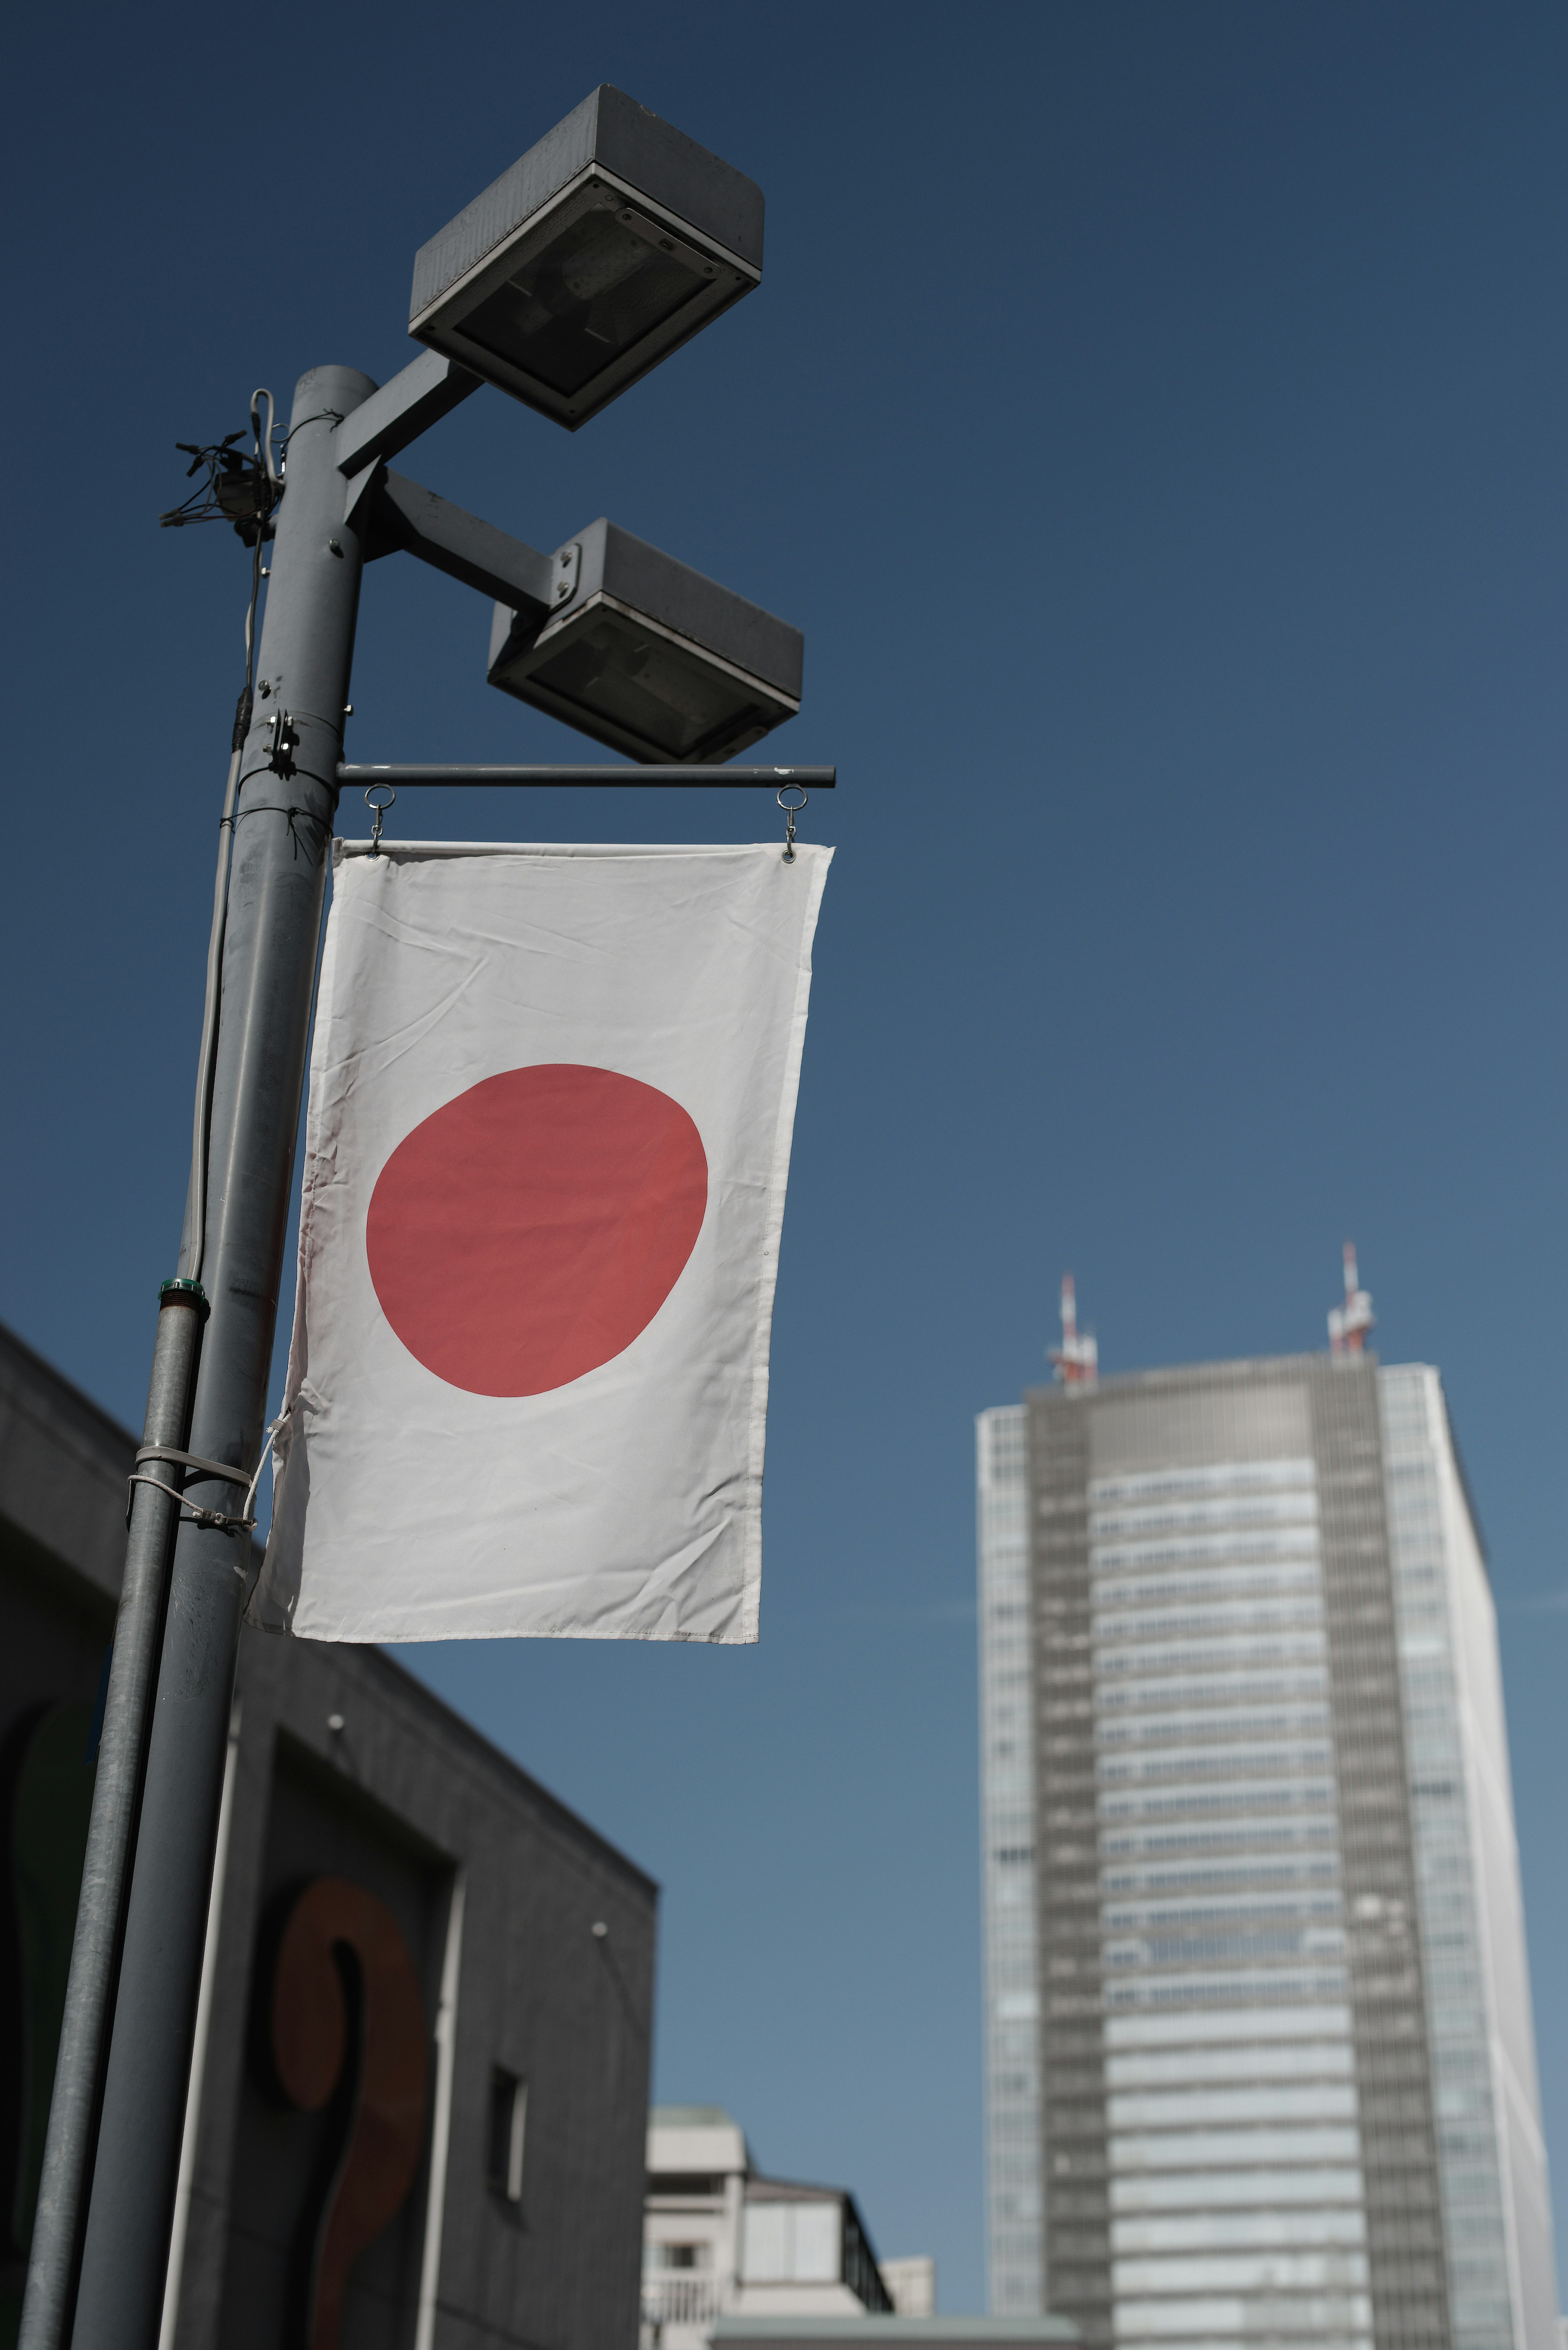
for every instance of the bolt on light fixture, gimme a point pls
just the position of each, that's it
(610, 242)
(647, 655)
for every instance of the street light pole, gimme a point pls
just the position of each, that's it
(283, 830)
(621, 643)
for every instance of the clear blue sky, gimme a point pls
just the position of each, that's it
(1153, 415)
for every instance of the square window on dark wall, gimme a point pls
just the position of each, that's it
(508, 2123)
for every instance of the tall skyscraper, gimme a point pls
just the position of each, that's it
(1260, 2058)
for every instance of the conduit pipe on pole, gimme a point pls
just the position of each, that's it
(89, 1989)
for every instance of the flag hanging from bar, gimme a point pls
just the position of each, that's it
(552, 1092)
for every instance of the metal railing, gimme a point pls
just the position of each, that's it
(682, 2297)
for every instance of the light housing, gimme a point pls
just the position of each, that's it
(648, 656)
(603, 247)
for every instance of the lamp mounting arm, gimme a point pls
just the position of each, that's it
(428, 388)
(389, 513)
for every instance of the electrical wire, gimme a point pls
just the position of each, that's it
(195, 1247)
(239, 488)
(334, 414)
(263, 439)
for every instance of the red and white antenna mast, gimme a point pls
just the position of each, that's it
(1077, 1359)
(1348, 1324)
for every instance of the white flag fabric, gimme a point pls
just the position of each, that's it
(552, 1092)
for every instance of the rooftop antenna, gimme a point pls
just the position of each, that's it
(1078, 1360)
(1348, 1324)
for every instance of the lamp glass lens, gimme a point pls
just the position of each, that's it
(592, 293)
(664, 695)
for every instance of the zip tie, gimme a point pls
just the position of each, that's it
(192, 1511)
(223, 1470)
(271, 1436)
(218, 1521)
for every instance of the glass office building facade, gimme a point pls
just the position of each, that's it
(1260, 2063)
(1007, 1806)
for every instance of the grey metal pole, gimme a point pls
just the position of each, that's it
(282, 834)
(67, 2150)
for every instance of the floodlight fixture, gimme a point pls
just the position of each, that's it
(647, 655)
(603, 247)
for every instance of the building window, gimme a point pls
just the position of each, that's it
(793, 2242)
(508, 2125)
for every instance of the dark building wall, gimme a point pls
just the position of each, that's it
(62, 1469)
(407, 1802)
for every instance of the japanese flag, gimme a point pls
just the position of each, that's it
(550, 1097)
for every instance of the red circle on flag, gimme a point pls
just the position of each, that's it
(528, 1232)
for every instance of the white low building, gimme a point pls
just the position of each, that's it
(732, 2261)
(911, 2285)
(720, 2240)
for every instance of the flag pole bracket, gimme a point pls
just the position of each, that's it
(444, 775)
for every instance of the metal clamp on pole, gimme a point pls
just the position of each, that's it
(224, 1471)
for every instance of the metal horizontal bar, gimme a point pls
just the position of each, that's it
(428, 388)
(816, 779)
(399, 513)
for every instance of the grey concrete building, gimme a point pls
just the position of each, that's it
(385, 1877)
(1261, 2064)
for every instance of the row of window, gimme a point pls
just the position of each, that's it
(1299, 1608)
(1239, 1721)
(1257, 1869)
(1188, 1603)
(1249, 1546)
(1179, 1990)
(1177, 1515)
(1217, 2190)
(1339, 2318)
(1244, 1476)
(1219, 2230)
(1279, 2060)
(1276, 1827)
(1259, 1763)
(1185, 1685)
(1275, 2102)
(1206, 2150)
(1241, 2024)
(1189, 1949)
(1214, 1652)
(1230, 1802)
(1331, 2270)
(1128, 1916)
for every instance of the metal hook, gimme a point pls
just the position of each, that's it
(792, 808)
(379, 809)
